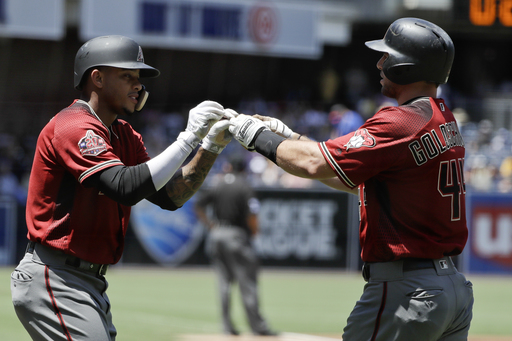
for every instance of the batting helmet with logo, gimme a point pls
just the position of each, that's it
(418, 51)
(115, 51)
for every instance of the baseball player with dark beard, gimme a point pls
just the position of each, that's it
(406, 165)
(89, 168)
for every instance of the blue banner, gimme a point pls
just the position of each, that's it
(490, 234)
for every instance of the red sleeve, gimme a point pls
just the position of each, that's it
(370, 150)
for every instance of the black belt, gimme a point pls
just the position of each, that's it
(80, 264)
(409, 264)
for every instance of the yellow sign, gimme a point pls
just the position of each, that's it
(485, 12)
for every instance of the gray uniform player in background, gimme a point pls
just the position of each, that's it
(232, 223)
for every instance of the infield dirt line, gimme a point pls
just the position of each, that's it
(249, 337)
(298, 337)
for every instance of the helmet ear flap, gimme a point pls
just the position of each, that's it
(143, 97)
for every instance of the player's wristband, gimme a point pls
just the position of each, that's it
(212, 147)
(189, 138)
(266, 143)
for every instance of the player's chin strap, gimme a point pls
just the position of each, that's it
(143, 97)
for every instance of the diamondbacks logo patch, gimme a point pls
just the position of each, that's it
(92, 144)
(140, 56)
(361, 138)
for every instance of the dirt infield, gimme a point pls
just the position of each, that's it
(248, 337)
(300, 337)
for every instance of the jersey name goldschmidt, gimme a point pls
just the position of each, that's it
(407, 163)
(61, 211)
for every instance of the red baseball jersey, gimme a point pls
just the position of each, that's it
(408, 164)
(61, 211)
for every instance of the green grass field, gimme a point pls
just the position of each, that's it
(155, 303)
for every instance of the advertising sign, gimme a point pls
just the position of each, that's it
(169, 238)
(490, 239)
(303, 228)
(41, 19)
(296, 228)
(273, 28)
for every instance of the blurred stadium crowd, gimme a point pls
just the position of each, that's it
(488, 162)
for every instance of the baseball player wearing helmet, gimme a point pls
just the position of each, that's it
(406, 165)
(89, 168)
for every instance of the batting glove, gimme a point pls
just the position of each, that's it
(278, 127)
(218, 137)
(245, 129)
(230, 113)
(203, 117)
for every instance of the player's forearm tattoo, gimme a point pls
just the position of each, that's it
(182, 188)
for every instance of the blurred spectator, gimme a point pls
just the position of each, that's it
(161, 129)
(479, 173)
(462, 118)
(487, 157)
(12, 168)
(9, 183)
(505, 184)
(487, 148)
(344, 120)
(315, 123)
(485, 130)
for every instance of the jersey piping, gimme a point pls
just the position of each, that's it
(335, 166)
(99, 167)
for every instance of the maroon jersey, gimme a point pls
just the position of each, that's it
(61, 211)
(408, 164)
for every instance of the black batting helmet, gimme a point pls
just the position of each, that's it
(115, 51)
(418, 51)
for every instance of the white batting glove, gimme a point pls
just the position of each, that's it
(203, 117)
(278, 127)
(200, 120)
(218, 137)
(245, 128)
(230, 113)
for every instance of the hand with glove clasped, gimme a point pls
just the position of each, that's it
(245, 129)
(219, 135)
(203, 117)
(278, 127)
(200, 119)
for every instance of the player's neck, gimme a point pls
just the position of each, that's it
(418, 89)
(104, 114)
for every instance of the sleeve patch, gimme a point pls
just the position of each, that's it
(361, 138)
(92, 144)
